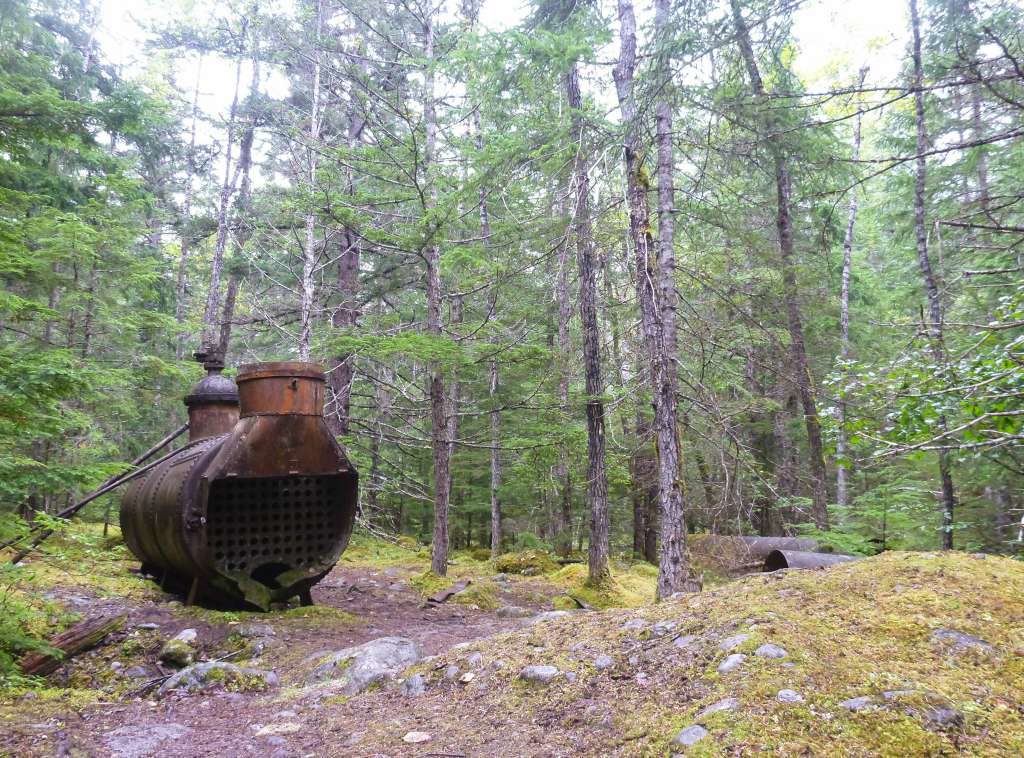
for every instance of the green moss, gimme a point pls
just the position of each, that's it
(525, 562)
(482, 594)
(429, 583)
(626, 588)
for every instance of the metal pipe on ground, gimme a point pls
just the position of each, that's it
(760, 547)
(800, 559)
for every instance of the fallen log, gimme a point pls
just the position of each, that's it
(444, 595)
(79, 638)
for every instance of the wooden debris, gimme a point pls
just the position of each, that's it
(77, 639)
(445, 595)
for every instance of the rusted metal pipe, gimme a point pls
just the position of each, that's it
(259, 513)
(799, 559)
(760, 547)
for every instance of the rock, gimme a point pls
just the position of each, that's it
(134, 672)
(414, 686)
(202, 676)
(414, 738)
(539, 674)
(684, 641)
(896, 694)
(474, 659)
(253, 631)
(356, 668)
(691, 735)
(147, 625)
(636, 625)
(729, 704)
(944, 718)
(662, 628)
(499, 578)
(142, 740)
(596, 715)
(514, 612)
(116, 666)
(287, 727)
(959, 642)
(979, 556)
(178, 651)
(856, 703)
(732, 662)
(769, 650)
(789, 696)
(277, 741)
(451, 672)
(468, 677)
(603, 662)
(733, 642)
(549, 616)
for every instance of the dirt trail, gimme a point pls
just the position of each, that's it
(382, 603)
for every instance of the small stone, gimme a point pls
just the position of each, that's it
(514, 612)
(116, 666)
(288, 727)
(959, 642)
(414, 738)
(732, 662)
(539, 674)
(549, 616)
(789, 696)
(474, 659)
(178, 650)
(943, 717)
(202, 676)
(733, 642)
(603, 662)
(131, 741)
(134, 672)
(662, 628)
(691, 735)
(253, 631)
(414, 686)
(499, 578)
(467, 677)
(769, 650)
(451, 672)
(634, 660)
(729, 704)
(635, 625)
(147, 625)
(596, 715)
(277, 741)
(896, 694)
(684, 641)
(570, 676)
(856, 703)
(979, 556)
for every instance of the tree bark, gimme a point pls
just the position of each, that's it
(563, 476)
(226, 191)
(438, 399)
(935, 326)
(794, 318)
(79, 638)
(309, 253)
(842, 448)
(185, 228)
(597, 478)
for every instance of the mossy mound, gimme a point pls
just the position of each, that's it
(529, 562)
(483, 595)
(627, 588)
(933, 643)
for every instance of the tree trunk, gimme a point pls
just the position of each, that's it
(597, 479)
(794, 318)
(842, 451)
(438, 399)
(79, 638)
(563, 477)
(185, 227)
(935, 326)
(226, 191)
(309, 252)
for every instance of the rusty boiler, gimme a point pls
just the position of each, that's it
(259, 505)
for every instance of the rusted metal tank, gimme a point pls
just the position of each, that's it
(257, 510)
(799, 559)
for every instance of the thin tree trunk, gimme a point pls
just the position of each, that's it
(935, 327)
(309, 253)
(563, 476)
(438, 399)
(226, 191)
(842, 448)
(597, 478)
(185, 229)
(794, 318)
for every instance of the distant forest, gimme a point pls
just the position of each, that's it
(590, 283)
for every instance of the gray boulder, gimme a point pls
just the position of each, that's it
(691, 735)
(203, 676)
(769, 650)
(514, 612)
(356, 668)
(733, 642)
(133, 741)
(179, 650)
(539, 674)
(960, 642)
(731, 663)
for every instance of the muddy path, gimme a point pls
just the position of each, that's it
(354, 604)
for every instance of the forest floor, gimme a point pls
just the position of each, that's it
(902, 654)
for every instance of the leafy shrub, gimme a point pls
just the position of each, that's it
(480, 554)
(24, 626)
